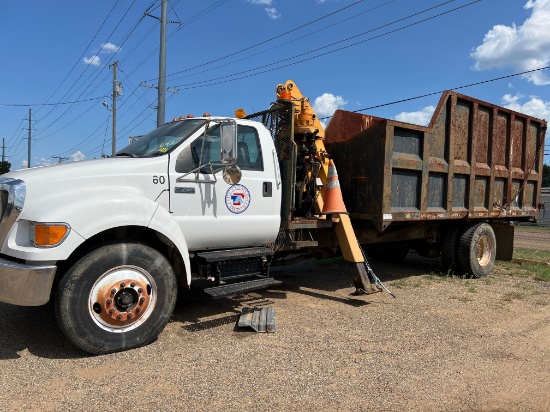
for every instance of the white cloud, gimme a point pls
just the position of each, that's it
(272, 13)
(40, 161)
(524, 47)
(421, 117)
(109, 48)
(327, 103)
(535, 107)
(93, 61)
(106, 48)
(76, 157)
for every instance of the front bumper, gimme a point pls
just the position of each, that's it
(25, 285)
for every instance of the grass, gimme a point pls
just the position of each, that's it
(532, 254)
(534, 271)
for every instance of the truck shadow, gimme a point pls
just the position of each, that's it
(35, 329)
(318, 279)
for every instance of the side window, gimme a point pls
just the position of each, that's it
(249, 153)
(189, 158)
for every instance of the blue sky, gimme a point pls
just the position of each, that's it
(228, 54)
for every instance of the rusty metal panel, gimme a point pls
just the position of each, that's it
(481, 191)
(475, 160)
(463, 129)
(482, 134)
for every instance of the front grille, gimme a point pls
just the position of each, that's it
(12, 197)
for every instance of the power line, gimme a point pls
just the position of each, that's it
(441, 91)
(82, 55)
(49, 104)
(267, 40)
(277, 46)
(90, 84)
(226, 78)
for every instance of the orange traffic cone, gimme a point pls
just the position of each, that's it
(333, 202)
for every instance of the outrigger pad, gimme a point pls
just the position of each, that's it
(259, 319)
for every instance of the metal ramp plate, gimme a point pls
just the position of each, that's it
(242, 287)
(261, 320)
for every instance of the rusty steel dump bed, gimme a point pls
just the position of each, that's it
(475, 160)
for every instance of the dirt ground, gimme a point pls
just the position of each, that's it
(444, 344)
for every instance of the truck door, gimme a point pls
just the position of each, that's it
(214, 214)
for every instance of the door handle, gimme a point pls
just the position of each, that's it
(267, 189)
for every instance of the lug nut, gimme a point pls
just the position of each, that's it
(142, 299)
(138, 309)
(130, 316)
(123, 285)
(109, 301)
(140, 290)
(113, 291)
(133, 284)
(111, 311)
(119, 316)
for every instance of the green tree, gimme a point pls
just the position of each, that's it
(5, 167)
(546, 176)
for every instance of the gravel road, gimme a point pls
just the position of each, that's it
(445, 344)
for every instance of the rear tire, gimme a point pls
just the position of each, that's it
(449, 249)
(117, 297)
(477, 250)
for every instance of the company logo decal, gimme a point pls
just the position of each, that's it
(237, 198)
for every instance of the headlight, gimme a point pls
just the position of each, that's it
(48, 234)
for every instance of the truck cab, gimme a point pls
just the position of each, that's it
(194, 185)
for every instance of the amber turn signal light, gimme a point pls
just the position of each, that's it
(48, 234)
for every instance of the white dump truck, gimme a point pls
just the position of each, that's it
(220, 199)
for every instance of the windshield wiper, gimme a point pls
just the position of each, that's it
(126, 154)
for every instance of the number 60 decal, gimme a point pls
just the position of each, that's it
(159, 180)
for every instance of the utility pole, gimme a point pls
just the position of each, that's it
(161, 87)
(3, 150)
(29, 151)
(116, 89)
(162, 64)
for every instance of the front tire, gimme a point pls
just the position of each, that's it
(117, 297)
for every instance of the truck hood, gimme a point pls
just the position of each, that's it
(108, 180)
(96, 168)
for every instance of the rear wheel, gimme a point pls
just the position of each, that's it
(449, 249)
(477, 250)
(118, 296)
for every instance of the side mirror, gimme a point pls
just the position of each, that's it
(228, 136)
(232, 174)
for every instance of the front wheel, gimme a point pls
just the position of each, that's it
(119, 296)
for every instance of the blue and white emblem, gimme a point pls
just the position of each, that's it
(237, 199)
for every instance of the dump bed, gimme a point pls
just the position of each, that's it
(475, 160)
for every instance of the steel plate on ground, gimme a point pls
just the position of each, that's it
(259, 319)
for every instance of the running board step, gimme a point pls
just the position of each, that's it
(242, 287)
(231, 254)
(261, 320)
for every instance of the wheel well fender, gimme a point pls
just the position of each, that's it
(163, 223)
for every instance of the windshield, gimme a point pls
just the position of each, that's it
(163, 139)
